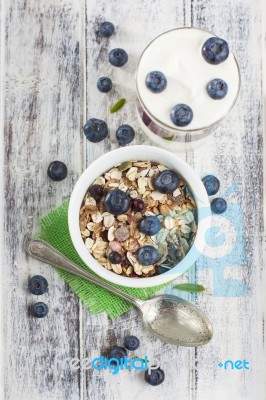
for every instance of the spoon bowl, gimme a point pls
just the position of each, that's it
(174, 320)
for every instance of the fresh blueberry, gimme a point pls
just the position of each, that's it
(57, 171)
(96, 192)
(117, 352)
(117, 202)
(40, 310)
(156, 81)
(150, 225)
(38, 285)
(181, 115)
(211, 183)
(218, 205)
(147, 255)
(114, 257)
(125, 134)
(166, 181)
(106, 29)
(104, 84)
(95, 130)
(118, 57)
(215, 50)
(138, 205)
(217, 89)
(155, 377)
(131, 343)
(161, 269)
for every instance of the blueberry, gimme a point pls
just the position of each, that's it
(57, 171)
(211, 183)
(118, 57)
(117, 352)
(150, 225)
(117, 202)
(138, 205)
(114, 257)
(218, 205)
(166, 181)
(40, 310)
(156, 81)
(155, 378)
(161, 269)
(181, 115)
(217, 89)
(96, 192)
(147, 255)
(106, 29)
(131, 342)
(215, 50)
(95, 130)
(125, 134)
(104, 84)
(38, 285)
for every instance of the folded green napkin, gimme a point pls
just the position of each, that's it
(54, 230)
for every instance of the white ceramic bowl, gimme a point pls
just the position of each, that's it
(142, 153)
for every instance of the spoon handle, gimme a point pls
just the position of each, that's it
(43, 251)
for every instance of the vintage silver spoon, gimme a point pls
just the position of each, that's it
(167, 317)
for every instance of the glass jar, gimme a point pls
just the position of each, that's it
(178, 55)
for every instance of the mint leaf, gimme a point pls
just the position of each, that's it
(190, 287)
(118, 105)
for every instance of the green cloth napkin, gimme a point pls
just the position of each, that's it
(54, 230)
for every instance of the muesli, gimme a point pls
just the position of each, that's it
(138, 219)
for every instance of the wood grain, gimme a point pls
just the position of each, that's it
(41, 123)
(132, 34)
(52, 59)
(237, 159)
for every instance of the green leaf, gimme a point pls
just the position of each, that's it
(190, 287)
(118, 105)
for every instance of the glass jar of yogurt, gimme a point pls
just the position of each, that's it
(187, 81)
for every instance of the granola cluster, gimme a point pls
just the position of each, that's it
(104, 233)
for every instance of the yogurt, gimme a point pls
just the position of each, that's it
(178, 55)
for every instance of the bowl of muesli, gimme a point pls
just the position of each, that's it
(138, 216)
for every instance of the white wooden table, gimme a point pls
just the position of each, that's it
(51, 59)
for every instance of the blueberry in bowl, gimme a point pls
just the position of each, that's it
(150, 225)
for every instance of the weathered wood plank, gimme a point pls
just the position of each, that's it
(41, 123)
(136, 24)
(235, 156)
